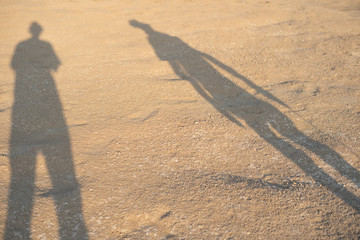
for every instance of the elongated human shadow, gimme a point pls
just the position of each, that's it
(39, 126)
(236, 103)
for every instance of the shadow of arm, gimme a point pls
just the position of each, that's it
(247, 81)
(53, 60)
(178, 71)
(208, 98)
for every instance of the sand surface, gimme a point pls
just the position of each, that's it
(181, 119)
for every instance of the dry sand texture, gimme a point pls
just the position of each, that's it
(180, 119)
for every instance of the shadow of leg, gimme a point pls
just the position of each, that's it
(332, 158)
(21, 195)
(310, 168)
(66, 191)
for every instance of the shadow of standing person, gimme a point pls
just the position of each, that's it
(236, 103)
(39, 126)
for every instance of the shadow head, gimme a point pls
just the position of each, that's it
(146, 27)
(35, 29)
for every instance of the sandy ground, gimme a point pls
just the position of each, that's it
(180, 119)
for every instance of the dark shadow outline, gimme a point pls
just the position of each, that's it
(236, 103)
(39, 126)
